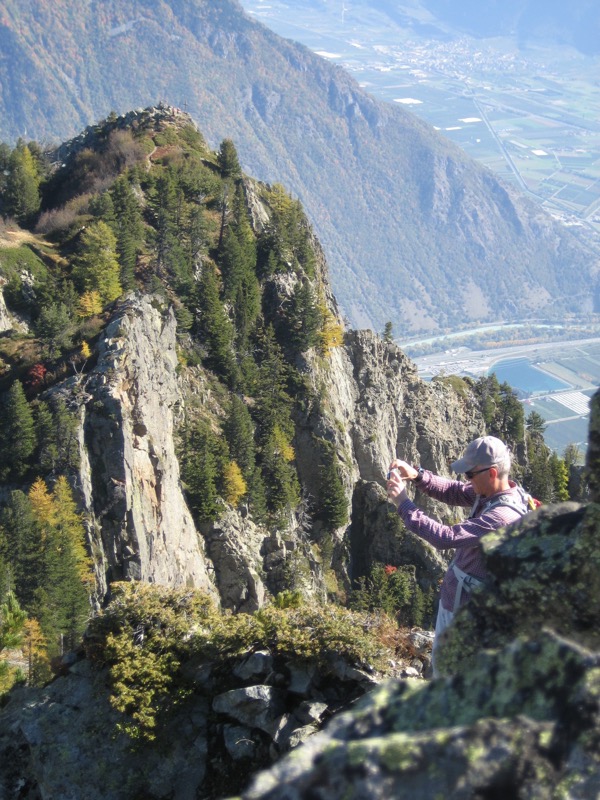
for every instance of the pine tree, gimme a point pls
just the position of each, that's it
(535, 424)
(239, 432)
(199, 470)
(273, 403)
(23, 539)
(333, 497)
(304, 318)
(539, 478)
(237, 262)
(54, 328)
(215, 325)
(228, 160)
(128, 228)
(230, 263)
(388, 334)
(167, 204)
(102, 206)
(12, 620)
(56, 431)
(61, 600)
(46, 454)
(65, 433)
(17, 435)
(22, 192)
(280, 478)
(560, 475)
(96, 266)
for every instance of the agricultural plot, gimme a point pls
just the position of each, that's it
(573, 431)
(564, 408)
(547, 408)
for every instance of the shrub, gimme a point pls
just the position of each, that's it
(147, 632)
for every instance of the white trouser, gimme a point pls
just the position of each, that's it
(444, 618)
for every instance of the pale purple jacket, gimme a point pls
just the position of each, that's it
(464, 537)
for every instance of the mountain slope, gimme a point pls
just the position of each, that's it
(406, 219)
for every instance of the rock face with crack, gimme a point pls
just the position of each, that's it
(518, 712)
(140, 525)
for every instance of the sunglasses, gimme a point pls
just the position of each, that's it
(470, 473)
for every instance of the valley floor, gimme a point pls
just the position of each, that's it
(556, 379)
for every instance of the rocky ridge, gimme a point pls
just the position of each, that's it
(138, 521)
(368, 405)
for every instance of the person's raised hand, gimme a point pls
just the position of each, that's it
(405, 470)
(396, 491)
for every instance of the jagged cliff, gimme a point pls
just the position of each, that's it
(357, 404)
(373, 406)
(139, 523)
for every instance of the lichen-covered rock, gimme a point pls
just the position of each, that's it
(63, 742)
(524, 720)
(545, 572)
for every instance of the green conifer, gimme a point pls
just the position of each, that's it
(96, 265)
(24, 551)
(228, 160)
(22, 191)
(17, 434)
(199, 471)
(216, 326)
(54, 327)
(128, 229)
(304, 318)
(334, 504)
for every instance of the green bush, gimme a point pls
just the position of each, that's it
(147, 633)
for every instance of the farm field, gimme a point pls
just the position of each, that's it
(564, 408)
(532, 116)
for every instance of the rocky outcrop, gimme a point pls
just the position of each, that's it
(64, 740)
(518, 713)
(365, 402)
(139, 524)
(5, 320)
(373, 406)
(252, 563)
(369, 406)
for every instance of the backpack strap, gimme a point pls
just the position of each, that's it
(466, 582)
(523, 503)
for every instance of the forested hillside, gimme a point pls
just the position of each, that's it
(406, 219)
(142, 205)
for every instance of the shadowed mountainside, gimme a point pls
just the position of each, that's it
(407, 220)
